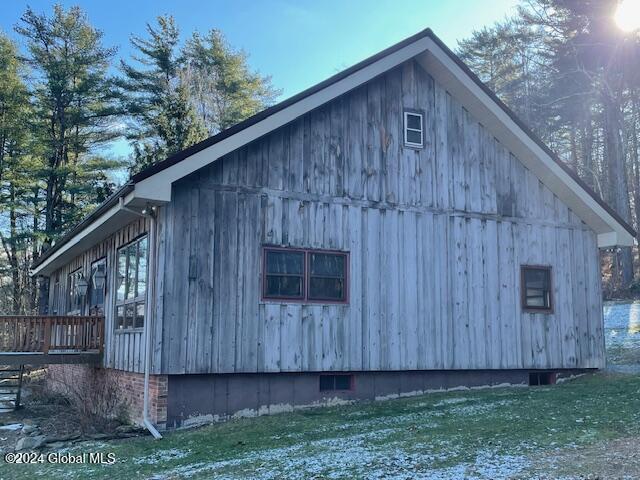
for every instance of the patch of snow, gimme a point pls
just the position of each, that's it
(452, 401)
(162, 456)
(12, 427)
(479, 408)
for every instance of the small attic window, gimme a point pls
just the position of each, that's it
(413, 129)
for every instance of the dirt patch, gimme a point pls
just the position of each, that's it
(50, 420)
(612, 459)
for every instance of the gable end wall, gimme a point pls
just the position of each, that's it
(436, 238)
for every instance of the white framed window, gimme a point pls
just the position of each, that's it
(74, 304)
(97, 288)
(413, 129)
(131, 286)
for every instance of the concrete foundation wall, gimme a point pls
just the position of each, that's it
(212, 397)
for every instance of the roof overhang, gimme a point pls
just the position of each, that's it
(154, 185)
(516, 137)
(120, 210)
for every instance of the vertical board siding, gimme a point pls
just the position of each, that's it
(436, 239)
(123, 351)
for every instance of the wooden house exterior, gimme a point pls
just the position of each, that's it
(393, 238)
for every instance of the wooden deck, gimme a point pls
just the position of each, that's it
(38, 340)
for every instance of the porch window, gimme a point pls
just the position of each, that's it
(131, 285)
(305, 275)
(74, 306)
(536, 288)
(97, 287)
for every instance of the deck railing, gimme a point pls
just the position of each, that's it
(48, 334)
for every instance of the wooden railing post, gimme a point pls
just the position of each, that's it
(47, 335)
(101, 334)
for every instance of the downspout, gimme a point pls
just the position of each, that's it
(149, 213)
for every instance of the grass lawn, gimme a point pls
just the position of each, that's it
(492, 433)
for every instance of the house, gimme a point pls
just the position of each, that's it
(391, 230)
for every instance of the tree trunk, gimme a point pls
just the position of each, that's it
(618, 184)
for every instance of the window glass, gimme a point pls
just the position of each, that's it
(96, 295)
(278, 286)
(131, 270)
(327, 382)
(326, 289)
(327, 275)
(128, 312)
(132, 274)
(120, 316)
(122, 274)
(142, 268)
(414, 121)
(280, 261)
(335, 382)
(284, 274)
(75, 299)
(413, 129)
(305, 275)
(414, 137)
(343, 382)
(327, 264)
(139, 320)
(536, 288)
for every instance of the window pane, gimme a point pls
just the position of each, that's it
(343, 382)
(285, 262)
(131, 270)
(122, 273)
(414, 137)
(536, 302)
(327, 382)
(537, 286)
(142, 267)
(120, 317)
(327, 264)
(139, 320)
(96, 299)
(129, 313)
(414, 121)
(278, 286)
(322, 288)
(75, 301)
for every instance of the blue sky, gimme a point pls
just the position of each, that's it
(298, 43)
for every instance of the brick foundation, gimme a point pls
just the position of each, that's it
(130, 387)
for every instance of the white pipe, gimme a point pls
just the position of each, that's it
(147, 324)
(148, 316)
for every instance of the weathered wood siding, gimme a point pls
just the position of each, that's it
(436, 237)
(123, 350)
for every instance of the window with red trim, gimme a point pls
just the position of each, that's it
(305, 275)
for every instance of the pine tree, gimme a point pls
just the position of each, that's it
(223, 89)
(73, 111)
(17, 237)
(164, 121)
(582, 93)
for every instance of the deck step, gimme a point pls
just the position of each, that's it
(10, 386)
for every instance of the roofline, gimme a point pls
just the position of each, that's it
(260, 116)
(158, 167)
(531, 134)
(88, 220)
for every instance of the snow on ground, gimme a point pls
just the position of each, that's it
(622, 336)
(162, 456)
(353, 456)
